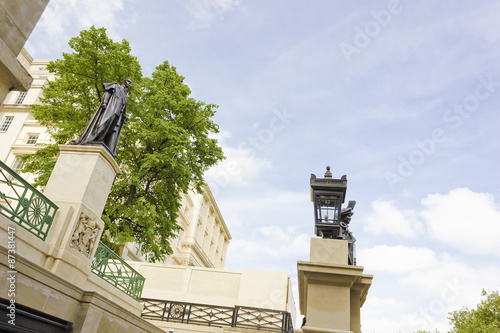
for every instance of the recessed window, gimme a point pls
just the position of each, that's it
(17, 166)
(20, 97)
(32, 139)
(6, 123)
(180, 238)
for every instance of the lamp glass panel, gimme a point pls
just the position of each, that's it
(328, 209)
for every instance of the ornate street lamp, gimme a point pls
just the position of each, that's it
(331, 220)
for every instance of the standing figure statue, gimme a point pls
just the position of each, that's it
(107, 122)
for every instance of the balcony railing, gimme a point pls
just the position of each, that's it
(111, 267)
(23, 204)
(211, 315)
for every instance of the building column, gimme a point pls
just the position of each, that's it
(355, 311)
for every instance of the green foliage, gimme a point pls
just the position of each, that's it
(484, 319)
(41, 163)
(164, 148)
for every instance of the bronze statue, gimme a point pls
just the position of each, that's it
(107, 122)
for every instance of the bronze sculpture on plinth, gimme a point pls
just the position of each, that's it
(107, 122)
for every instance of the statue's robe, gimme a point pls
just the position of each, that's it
(106, 123)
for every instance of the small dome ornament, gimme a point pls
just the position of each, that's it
(328, 174)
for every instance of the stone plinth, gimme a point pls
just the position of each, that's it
(331, 292)
(83, 174)
(329, 251)
(79, 185)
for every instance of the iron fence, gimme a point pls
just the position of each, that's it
(211, 315)
(23, 204)
(113, 269)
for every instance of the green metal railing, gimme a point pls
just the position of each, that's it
(111, 267)
(23, 204)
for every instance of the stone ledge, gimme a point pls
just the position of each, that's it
(310, 329)
(14, 72)
(92, 149)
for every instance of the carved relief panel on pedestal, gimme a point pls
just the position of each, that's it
(85, 235)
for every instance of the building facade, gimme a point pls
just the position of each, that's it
(203, 240)
(20, 133)
(18, 18)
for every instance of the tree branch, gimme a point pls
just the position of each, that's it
(131, 195)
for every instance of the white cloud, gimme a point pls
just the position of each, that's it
(464, 219)
(241, 167)
(381, 304)
(379, 324)
(61, 16)
(453, 276)
(205, 12)
(397, 259)
(387, 219)
(60, 13)
(270, 241)
(448, 287)
(435, 282)
(433, 285)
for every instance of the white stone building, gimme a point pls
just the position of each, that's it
(17, 20)
(204, 239)
(19, 131)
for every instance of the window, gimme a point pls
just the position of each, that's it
(180, 238)
(17, 166)
(6, 123)
(20, 97)
(32, 139)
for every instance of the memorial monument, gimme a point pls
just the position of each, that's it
(80, 183)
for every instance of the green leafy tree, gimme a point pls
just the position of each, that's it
(164, 148)
(484, 319)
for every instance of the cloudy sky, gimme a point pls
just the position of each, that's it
(403, 97)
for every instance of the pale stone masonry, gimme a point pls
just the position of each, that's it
(204, 240)
(16, 137)
(331, 291)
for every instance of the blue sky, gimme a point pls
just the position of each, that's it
(402, 96)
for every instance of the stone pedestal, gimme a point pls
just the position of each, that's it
(79, 185)
(331, 292)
